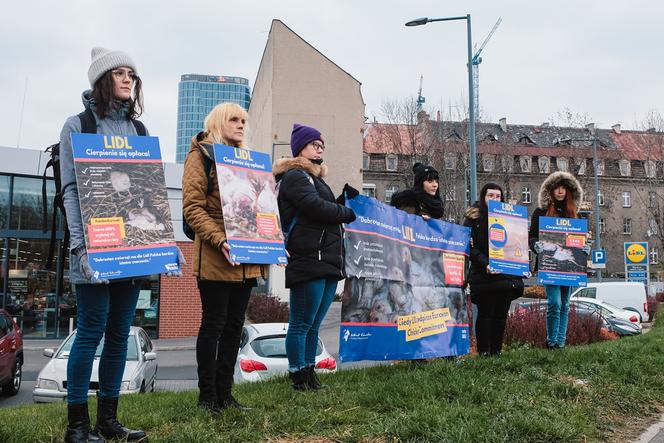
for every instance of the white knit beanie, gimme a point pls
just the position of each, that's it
(104, 60)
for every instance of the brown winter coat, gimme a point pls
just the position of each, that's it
(203, 213)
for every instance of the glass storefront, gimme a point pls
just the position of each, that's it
(28, 290)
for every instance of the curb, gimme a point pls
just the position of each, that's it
(652, 432)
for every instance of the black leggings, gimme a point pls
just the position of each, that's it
(492, 309)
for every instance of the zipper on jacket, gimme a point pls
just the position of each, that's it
(320, 245)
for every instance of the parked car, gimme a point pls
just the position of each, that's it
(263, 353)
(607, 309)
(140, 373)
(626, 295)
(11, 354)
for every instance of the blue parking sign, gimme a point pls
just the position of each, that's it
(599, 258)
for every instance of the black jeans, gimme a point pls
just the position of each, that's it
(224, 305)
(492, 309)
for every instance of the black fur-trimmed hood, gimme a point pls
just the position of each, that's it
(559, 178)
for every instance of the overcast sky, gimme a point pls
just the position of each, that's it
(603, 58)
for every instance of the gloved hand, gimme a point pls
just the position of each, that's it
(586, 249)
(88, 272)
(539, 247)
(181, 261)
(349, 193)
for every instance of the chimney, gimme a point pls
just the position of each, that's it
(437, 116)
(422, 116)
(545, 125)
(616, 128)
(651, 130)
(591, 128)
(503, 124)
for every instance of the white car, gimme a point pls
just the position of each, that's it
(607, 309)
(626, 295)
(140, 373)
(263, 353)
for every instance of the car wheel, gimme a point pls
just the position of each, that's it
(14, 384)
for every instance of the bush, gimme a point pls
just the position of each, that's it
(660, 297)
(267, 309)
(534, 292)
(653, 303)
(527, 326)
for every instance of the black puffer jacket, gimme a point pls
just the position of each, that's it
(481, 282)
(315, 242)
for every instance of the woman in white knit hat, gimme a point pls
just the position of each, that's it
(103, 308)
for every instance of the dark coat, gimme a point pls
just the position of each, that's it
(481, 282)
(315, 242)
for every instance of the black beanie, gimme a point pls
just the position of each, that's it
(423, 173)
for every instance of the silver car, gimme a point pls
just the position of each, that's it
(263, 353)
(140, 373)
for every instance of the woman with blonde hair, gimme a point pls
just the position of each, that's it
(224, 286)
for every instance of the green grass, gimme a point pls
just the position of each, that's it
(589, 393)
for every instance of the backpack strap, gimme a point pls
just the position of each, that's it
(140, 128)
(88, 122)
(207, 165)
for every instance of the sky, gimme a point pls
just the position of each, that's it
(598, 58)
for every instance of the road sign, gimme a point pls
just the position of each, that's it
(599, 258)
(636, 262)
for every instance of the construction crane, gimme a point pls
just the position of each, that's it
(476, 60)
(420, 97)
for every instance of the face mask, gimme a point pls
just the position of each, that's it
(318, 161)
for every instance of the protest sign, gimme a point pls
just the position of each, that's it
(562, 261)
(508, 239)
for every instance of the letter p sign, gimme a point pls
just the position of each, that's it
(599, 258)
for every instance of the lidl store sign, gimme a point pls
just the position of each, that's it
(636, 253)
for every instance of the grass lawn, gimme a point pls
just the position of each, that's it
(605, 391)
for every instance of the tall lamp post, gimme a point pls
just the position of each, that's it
(598, 237)
(471, 96)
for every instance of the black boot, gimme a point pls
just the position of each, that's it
(78, 425)
(299, 380)
(109, 426)
(311, 379)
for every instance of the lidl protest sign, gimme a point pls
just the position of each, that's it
(403, 297)
(508, 239)
(249, 203)
(124, 205)
(563, 261)
(637, 267)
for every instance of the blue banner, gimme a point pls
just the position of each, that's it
(249, 203)
(562, 261)
(403, 298)
(124, 205)
(508, 239)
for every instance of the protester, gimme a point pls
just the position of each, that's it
(559, 196)
(490, 290)
(424, 197)
(224, 286)
(103, 308)
(311, 220)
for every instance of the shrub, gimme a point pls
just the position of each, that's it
(653, 304)
(527, 326)
(534, 292)
(267, 309)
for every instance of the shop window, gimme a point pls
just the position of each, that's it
(4, 201)
(26, 211)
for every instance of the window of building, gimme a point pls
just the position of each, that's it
(625, 168)
(627, 226)
(600, 167)
(507, 163)
(389, 192)
(4, 201)
(602, 226)
(654, 255)
(487, 162)
(543, 163)
(562, 164)
(627, 199)
(450, 161)
(391, 162)
(369, 190)
(366, 159)
(525, 162)
(580, 166)
(600, 198)
(653, 229)
(525, 195)
(650, 168)
(652, 199)
(26, 211)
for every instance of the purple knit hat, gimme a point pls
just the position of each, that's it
(302, 136)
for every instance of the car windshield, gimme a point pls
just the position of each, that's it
(132, 352)
(274, 346)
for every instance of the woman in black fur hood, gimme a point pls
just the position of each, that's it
(424, 197)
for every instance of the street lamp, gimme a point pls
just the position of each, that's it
(471, 96)
(598, 237)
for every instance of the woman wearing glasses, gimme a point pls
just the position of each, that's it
(103, 308)
(311, 220)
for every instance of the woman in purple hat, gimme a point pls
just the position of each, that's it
(311, 220)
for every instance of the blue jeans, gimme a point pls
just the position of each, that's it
(557, 313)
(309, 303)
(103, 310)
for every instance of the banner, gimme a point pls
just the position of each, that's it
(403, 297)
(637, 264)
(508, 239)
(249, 203)
(562, 261)
(124, 205)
